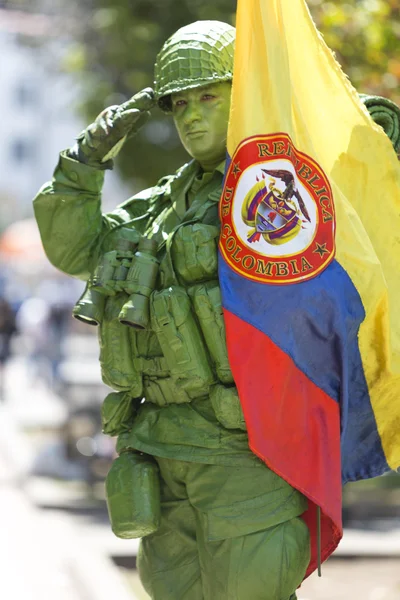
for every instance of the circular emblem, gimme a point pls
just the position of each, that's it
(277, 212)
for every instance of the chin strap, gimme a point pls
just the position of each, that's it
(319, 541)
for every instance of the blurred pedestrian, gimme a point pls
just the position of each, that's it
(33, 324)
(7, 330)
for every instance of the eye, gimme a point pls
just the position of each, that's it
(207, 97)
(180, 102)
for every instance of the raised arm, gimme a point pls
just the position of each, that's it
(68, 209)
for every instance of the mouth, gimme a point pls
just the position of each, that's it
(194, 134)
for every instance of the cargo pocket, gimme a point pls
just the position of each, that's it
(117, 350)
(266, 550)
(268, 564)
(257, 546)
(254, 514)
(207, 304)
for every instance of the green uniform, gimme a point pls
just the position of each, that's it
(216, 522)
(237, 519)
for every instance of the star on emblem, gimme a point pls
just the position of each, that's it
(321, 249)
(236, 169)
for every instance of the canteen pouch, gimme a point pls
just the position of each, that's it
(181, 341)
(207, 304)
(194, 252)
(118, 349)
(227, 407)
(118, 412)
(133, 495)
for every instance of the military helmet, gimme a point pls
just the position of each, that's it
(197, 54)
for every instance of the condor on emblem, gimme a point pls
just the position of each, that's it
(277, 212)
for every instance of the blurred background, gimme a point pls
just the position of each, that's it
(61, 63)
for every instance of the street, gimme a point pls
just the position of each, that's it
(57, 543)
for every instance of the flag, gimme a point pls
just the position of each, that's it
(310, 264)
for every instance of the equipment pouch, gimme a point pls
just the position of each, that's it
(228, 410)
(163, 391)
(147, 343)
(133, 495)
(181, 341)
(118, 412)
(206, 299)
(118, 349)
(194, 252)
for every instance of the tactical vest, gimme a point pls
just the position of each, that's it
(181, 355)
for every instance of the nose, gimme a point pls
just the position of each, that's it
(192, 113)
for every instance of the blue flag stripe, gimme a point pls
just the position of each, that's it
(318, 328)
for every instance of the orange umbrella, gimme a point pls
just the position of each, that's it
(21, 250)
(21, 241)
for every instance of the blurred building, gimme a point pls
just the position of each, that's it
(38, 104)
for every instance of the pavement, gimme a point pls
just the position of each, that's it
(47, 554)
(55, 544)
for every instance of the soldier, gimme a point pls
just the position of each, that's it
(229, 527)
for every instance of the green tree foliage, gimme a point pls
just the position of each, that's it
(116, 48)
(115, 54)
(365, 36)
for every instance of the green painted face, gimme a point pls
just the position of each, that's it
(201, 117)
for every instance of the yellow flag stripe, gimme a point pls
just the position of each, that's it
(294, 84)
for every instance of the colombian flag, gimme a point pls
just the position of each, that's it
(310, 264)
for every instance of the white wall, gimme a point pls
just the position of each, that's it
(38, 118)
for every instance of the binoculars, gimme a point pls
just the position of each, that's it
(122, 270)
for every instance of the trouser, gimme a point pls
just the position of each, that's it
(225, 535)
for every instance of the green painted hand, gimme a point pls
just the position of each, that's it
(99, 143)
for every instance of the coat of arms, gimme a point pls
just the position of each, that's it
(276, 215)
(277, 212)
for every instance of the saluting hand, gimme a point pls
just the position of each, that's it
(101, 141)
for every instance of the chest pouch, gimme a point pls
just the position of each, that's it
(181, 341)
(150, 360)
(207, 304)
(118, 349)
(194, 252)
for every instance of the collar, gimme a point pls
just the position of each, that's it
(187, 174)
(218, 169)
(221, 167)
(193, 169)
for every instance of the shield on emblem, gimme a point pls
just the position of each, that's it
(274, 214)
